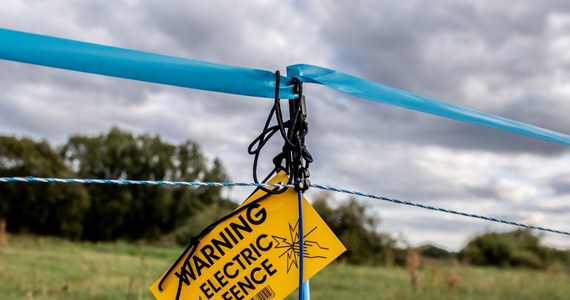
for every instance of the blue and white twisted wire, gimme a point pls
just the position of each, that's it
(445, 210)
(138, 182)
(270, 185)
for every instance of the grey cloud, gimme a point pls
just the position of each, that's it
(407, 45)
(545, 109)
(14, 76)
(554, 211)
(561, 185)
(466, 136)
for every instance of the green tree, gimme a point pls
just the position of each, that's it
(49, 209)
(435, 252)
(519, 248)
(357, 230)
(138, 211)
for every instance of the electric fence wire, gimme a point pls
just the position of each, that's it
(272, 186)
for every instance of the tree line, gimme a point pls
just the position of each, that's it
(108, 212)
(168, 214)
(358, 231)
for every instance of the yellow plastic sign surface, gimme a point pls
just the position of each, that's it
(254, 254)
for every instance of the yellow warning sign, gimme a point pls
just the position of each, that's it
(254, 254)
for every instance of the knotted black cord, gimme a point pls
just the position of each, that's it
(294, 158)
(266, 134)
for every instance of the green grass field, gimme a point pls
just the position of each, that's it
(48, 268)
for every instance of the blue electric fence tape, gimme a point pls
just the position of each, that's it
(124, 63)
(373, 91)
(150, 67)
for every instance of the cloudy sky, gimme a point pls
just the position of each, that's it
(510, 59)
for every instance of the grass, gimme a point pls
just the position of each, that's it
(48, 268)
(340, 281)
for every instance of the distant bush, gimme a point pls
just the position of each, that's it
(432, 251)
(519, 248)
(358, 232)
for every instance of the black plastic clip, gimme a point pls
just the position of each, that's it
(301, 158)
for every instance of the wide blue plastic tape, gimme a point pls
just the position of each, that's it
(144, 66)
(373, 91)
(118, 62)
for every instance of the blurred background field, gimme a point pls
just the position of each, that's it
(34, 267)
(61, 241)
